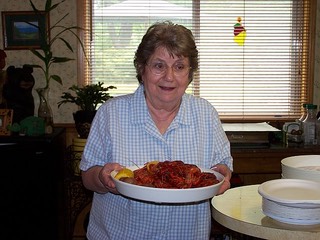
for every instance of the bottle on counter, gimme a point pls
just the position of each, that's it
(304, 114)
(318, 130)
(309, 125)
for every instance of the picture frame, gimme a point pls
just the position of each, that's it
(24, 29)
(5, 121)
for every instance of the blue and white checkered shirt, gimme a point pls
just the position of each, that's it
(124, 132)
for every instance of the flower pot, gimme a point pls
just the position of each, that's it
(83, 120)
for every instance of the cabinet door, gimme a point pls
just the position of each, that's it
(30, 191)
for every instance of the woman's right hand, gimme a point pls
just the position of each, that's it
(105, 176)
(98, 178)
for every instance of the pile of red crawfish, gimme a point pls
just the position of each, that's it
(171, 174)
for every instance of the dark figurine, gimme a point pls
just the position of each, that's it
(17, 92)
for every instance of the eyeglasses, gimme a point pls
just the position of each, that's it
(160, 68)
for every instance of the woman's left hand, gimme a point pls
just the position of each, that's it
(226, 172)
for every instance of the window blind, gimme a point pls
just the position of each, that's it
(255, 57)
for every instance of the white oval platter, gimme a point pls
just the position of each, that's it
(163, 195)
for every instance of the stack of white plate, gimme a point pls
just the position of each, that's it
(293, 201)
(301, 167)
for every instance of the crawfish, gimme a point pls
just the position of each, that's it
(173, 174)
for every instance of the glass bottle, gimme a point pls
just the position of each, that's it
(304, 114)
(309, 125)
(44, 109)
(318, 130)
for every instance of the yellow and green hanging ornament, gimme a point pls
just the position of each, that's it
(239, 32)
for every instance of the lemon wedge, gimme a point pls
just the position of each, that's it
(151, 165)
(125, 172)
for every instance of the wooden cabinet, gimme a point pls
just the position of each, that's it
(32, 186)
(255, 166)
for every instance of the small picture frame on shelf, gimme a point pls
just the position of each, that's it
(21, 29)
(5, 121)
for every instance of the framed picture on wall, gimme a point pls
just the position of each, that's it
(23, 30)
(5, 121)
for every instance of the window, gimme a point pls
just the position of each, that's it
(255, 56)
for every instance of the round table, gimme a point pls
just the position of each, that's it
(239, 209)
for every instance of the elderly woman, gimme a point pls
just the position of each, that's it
(159, 121)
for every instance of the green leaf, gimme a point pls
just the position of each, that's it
(67, 44)
(87, 97)
(57, 78)
(38, 54)
(61, 59)
(33, 6)
(55, 5)
(55, 31)
(48, 5)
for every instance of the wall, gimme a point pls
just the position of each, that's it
(68, 71)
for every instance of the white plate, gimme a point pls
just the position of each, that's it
(289, 214)
(292, 220)
(292, 192)
(163, 195)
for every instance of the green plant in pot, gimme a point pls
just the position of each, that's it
(49, 36)
(87, 98)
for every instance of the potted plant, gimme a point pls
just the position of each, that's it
(87, 98)
(49, 36)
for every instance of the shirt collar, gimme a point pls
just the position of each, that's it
(140, 113)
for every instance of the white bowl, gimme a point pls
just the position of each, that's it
(163, 195)
(301, 167)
